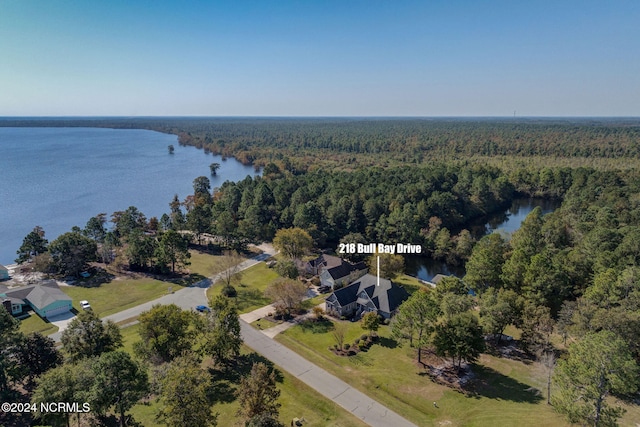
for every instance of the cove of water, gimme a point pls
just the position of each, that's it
(505, 223)
(60, 177)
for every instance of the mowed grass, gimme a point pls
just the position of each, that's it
(125, 292)
(119, 294)
(253, 283)
(206, 265)
(34, 323)
(506, 392)
(296, 398)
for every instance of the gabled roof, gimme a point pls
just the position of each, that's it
(345, 268)
(2, 267)
(387, 297)
(39, 296)
(326, 261)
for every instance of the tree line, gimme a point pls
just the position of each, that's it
(166, 365)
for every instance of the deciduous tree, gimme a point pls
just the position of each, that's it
(258, 394)
(391, 266)
(459, 338)
(293, 242)
(222, 339)
(370, 322)
(184, 395)
(71, 252)
(119, 382)
(286, 292)
(166, 333)
(87, 336)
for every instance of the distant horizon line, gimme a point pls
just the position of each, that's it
(312, 117)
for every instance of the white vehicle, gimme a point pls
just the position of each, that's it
(85, 305)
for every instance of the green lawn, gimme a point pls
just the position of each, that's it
(251, 289)
(411, 284)
(34, 323)
(504, 394)
(206, 265)
(296, 398)
(119, 294)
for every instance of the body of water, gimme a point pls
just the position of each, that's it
(505, 223)
(60, 177)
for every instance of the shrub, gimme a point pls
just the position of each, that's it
(364, 337)
(347, 346)
(229, 291)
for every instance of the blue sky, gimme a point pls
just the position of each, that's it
(320, 58)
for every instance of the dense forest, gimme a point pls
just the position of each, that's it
(574, 273)
(310, 142)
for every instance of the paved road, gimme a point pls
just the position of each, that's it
(186, 298)
(359, 404)
(363, 407)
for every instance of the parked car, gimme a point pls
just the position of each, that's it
(203, 309)
(85, 305)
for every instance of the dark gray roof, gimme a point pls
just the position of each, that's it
(386, 297)
(345, 269)
(327, 261)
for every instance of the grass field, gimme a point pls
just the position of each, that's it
(34, 323)
(119, 294)
(297, 399)
(506, 392)
(251, 289)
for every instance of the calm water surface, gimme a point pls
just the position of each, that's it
(60, 177)
(505, 223)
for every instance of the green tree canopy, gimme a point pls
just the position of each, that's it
(71, 252)
(87, 336)
(598, 365)
(119, 382)
(416, 320)
(33, 244)
(293, 242)
(391, 266)
(484, 267)
(370, 322)
(166, 332)
(173, 249)
(459, 338)
(184, 391)
(222, 339)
